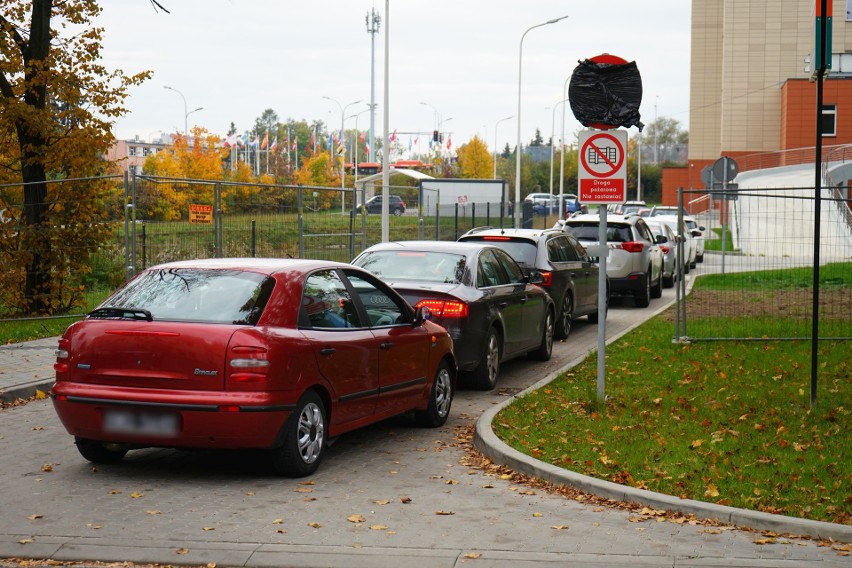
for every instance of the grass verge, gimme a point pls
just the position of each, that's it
(723, 422)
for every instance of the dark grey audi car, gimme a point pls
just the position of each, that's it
(478, 293)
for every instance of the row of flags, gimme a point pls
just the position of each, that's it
(334, 141)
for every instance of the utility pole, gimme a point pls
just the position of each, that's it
(373, 21)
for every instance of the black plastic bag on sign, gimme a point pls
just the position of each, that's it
(606, 94)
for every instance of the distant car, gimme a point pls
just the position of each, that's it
(663, 210)
(573, 205)
(546, 206)
(478, 292)
(627, 207)
(697, 232)
(667, 240)
(568, 273)
(276, 354)
(634, 263)
(396, 206)
(680, 228)
(536, 197)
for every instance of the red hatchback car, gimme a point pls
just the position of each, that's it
(248, 353)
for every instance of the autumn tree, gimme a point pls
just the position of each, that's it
(57, 102)
(475, 160)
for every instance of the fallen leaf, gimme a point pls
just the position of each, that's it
(473, 555)
(444, 513)
(381, 501)
(356, 519)
(34, 517)
(277, 521)
(303, 490)
(136, 494)
(153, 512)
(40, 395)
(25, 541)
(766, 541)
(47, 467)
(208, 528)
(378, 528)
(405, 500)
(250, 493)
(559, 527)
(695, 444)
(281, 531)
(91, 526)
(314, 525)
(711, 491)
(182, 550)
(536, 514)
(307, 483)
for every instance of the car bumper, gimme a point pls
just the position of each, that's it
(196, 419)
(632, 283)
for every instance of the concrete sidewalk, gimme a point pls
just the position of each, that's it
(26, 367)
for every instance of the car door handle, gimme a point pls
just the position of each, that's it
(523, 300)
(328, 351)
(386, 345)
(503, 304)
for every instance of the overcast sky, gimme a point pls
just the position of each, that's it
(237, 58)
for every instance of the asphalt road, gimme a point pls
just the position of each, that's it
(388, 495)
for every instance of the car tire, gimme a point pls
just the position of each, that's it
(566, 315)
(669, 282)
(643, 296)
(484, 376)
(699, 258)
(98, 452)
(304, 439)
(593, 317)
(657, 289)
(545, 348)
(440, 399)
(693, 264)
(397, 212)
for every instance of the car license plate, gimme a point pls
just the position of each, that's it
(141, 423)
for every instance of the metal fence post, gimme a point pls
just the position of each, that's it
(253, 238)
(218, 225)
(456, 224)
(300, 221)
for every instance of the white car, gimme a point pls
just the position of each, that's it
(697, 232)
(690, 242)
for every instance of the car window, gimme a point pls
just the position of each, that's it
(191, 294)
(555, 253)
(579, 249)
(589, 232)
(523, 251)
(489, 271)
(327, 304)
(643, 230)
(446, 268)
(566, 243)
(381, 307)
(510, 267)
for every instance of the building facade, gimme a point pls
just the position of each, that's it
(750, 88)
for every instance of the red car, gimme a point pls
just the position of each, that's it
(249, 353)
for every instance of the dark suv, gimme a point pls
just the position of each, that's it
(396, 206)
(634, 263)
(568, 273)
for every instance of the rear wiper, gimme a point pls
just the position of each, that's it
(121, 313)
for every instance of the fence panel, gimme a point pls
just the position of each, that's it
(763, 283)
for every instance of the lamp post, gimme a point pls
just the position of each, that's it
(552, 145)
(495, 141)
(342, 170)
(185, 113)
(355, 141)
(562, 151)
(436, 126)
(518, 145)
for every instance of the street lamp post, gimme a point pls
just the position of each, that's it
(495, 142)
(342, 170)
(518, 145)
(185, 113)
(562, 151)
(355, 140)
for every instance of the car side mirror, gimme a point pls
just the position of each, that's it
(422, 314)
(535, 277)
(661, 239)
(701, 228)
(695, 233)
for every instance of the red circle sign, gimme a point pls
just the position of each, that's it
(602, 154)
(611, 60)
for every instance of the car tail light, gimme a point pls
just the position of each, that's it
(248, 364)
(633, 246)
(445, 308)
(62, 354)
(547, 278)
(665, 249)
(496, 238)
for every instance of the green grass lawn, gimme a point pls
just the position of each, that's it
(723, 422)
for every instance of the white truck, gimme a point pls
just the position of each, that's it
(445, 193)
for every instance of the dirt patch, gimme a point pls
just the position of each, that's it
(834, 304)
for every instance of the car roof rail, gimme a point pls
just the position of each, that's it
(479, 229)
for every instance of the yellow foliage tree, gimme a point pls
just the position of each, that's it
(475, 160)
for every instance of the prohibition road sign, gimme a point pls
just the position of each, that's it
(602, 173)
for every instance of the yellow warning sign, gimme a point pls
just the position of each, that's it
(200, 213)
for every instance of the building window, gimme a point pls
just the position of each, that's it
(829, 120)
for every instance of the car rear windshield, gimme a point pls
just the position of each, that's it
(523, 251)
(425, 266)
(195, 295)
(589, 232)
